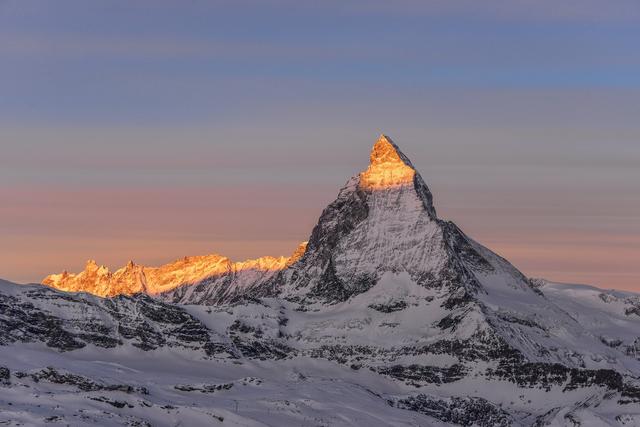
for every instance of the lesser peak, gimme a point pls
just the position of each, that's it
(133, 278)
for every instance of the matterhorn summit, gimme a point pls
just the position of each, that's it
(388, 167)
(388, 315)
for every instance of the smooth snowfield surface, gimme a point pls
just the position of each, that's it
(604, 312)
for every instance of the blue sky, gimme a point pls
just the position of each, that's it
(132, 62)
(522, 116)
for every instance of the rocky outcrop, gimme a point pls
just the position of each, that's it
(67, 322)
(459, 411)
(54, 376)
(192, 270)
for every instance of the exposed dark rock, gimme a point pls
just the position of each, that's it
(460, 298)
(52, 375)
(513, 318)
(205, 388)
(345, 354)
(103, 341)
(633, 310)
(461, 411)
(481, 346)
(463, 248)
(115, 403)
(336, 221)
(547, 375)
(452, 320)
(390, 307)
(5, 376)
(630, 394)
(140, 320)
(262, 350)
(142, 335)
(239, 326)
(611, 342)
(249, 342)
(417, 375)
(213, 349)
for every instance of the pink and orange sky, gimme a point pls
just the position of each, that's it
(154, 130)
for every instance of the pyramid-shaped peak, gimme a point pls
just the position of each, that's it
(386, 151)
(388, 167)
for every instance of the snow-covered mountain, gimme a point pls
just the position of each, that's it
(134, 278)
(380, 243)
(388, 316)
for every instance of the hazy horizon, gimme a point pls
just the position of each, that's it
(151, 133)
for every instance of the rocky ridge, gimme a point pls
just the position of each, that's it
(134, 278)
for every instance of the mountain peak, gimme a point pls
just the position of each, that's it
(388, 167)
(385, 150)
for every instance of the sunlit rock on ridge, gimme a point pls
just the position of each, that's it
(134, 278)
(387, 168)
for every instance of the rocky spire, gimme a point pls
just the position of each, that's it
(389, 168)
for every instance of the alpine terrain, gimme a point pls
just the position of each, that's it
(387, 316)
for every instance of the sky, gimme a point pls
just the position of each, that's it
(151, 130)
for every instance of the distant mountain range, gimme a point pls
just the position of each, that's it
(388, 315)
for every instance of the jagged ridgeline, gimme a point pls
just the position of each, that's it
(387, 309)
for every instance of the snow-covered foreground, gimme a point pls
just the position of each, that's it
(342, 365)
(171, 389)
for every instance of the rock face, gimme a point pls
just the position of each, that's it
(403, 304)
(134, 278)
(382, 221)
(67, 322)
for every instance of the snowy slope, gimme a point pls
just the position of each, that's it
(613, 316)
(169, 389)
(350, 364)
(68, 322)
